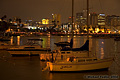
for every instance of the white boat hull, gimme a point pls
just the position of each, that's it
(79, 66)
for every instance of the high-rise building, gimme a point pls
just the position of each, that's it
(70, 19)
(113, 20)
(93, 19)
(56, 18)
(80, 19)
(101, 19)
(45, 21)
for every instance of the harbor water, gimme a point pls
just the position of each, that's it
(30, 67)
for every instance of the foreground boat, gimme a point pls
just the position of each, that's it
(79, 64)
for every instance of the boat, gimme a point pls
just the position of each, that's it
(62, 44)
(74, 64)
(79, 64)
(61, 55)
(66, 51)
(5, 46)
(70, 63)
(31, 48)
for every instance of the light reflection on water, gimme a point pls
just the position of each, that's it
(18, 40)
(11, 41)
(30, 68)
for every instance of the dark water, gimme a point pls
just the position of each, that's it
(30, 68)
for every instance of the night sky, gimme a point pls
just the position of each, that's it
(38, 9)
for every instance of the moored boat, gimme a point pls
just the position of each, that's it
(66, 51)
(30, 49)
(79, 64)
(27, 50)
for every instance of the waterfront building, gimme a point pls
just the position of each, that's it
(113, 20)
(29, 22)
(70, 19)
(101, 19)
(56, 19)
(93, 19)
(45, 21)
(80, 19)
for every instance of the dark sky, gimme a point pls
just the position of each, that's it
(38, 9)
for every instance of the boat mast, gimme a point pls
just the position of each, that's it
(72, 17)
(88, 24)
(87, 19)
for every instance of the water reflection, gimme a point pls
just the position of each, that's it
(11, 41)
(75, 76)
(48, 42)
(18, 40)
(102, 42)
(49, 36)
(51, 76)
(102, 53)
(74, 36)
(44, 42)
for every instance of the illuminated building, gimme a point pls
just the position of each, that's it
(101, 19)
(93, 19)
(29, 22)
(80, 19)
(70, 20)
(45, 21)
(113, 20)
(56, 19)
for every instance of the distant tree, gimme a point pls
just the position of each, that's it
(4, 26)
(19, 20)
(3, 17)
(10, 20)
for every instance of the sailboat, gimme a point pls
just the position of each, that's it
(77, 63)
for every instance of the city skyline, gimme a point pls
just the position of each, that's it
(39, 9)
